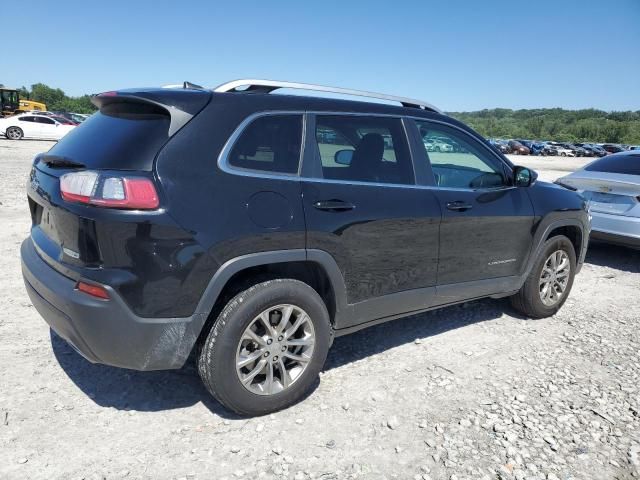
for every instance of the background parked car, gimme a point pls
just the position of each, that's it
(593, 150)
(579, 151)
(437, 145)
(26, 125)
(518, 148)
(611, 148)
(611, 185)
(499, 145)
(76, 118)
(549, 150)
(563, 151)
(535, 148)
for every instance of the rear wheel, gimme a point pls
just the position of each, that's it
(550, 281)
(266, 348)
(14, 133)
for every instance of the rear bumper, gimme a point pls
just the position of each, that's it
(105, 331)
(615, 229)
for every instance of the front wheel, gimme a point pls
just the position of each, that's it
(549, 283)
(14, 133)
(266, 348)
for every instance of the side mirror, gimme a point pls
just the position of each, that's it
(343, 157)
(524, 177)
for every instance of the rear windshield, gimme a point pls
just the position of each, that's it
(628, 164)
(121, 136)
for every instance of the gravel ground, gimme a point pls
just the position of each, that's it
(472, 391)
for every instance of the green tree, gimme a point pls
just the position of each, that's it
(45, 94)
(56, 100)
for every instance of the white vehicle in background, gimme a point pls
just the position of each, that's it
(36, 126)
(436, 145)
(563, 152)
(611, 186)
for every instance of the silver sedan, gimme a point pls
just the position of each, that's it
(611, 185)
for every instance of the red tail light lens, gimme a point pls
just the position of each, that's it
(93, 188)
(93, 290)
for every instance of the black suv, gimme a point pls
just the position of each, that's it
(251, 228)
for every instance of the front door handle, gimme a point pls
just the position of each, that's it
(334, 205)
(459, 206)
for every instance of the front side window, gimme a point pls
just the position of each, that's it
(271, 143)
(458, 161)
(363, 149)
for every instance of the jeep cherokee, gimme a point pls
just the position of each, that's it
(252, 228)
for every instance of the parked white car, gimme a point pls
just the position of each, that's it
(27, 125)
(437, 145)
(563, 152)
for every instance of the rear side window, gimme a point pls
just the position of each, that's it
(271, 143)
(627, 164)
(48, 121)
(27, 119)
(121, 136)
(363, 149)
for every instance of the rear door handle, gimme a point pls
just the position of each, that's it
(334, 205)
(459, 206)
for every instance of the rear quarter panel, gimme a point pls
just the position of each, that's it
(215, 205)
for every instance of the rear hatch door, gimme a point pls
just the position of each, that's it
(126, 134)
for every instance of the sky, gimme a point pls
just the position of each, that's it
(458, 55)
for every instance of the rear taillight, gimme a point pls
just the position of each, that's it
(106, 190)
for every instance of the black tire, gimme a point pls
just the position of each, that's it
(527, 300)
(14, 133)
(217, 357)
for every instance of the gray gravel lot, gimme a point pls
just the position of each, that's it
(468, 392)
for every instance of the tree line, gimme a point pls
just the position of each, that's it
(56, 100)
(556, 124)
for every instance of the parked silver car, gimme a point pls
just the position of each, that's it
(611, 185)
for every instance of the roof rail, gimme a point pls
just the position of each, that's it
(268, 86)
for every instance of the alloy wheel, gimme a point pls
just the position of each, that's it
(14, 134)
(275, 349)
(554, 278)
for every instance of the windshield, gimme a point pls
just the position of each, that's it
(9, 97)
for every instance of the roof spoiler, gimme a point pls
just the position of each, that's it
(180, 108)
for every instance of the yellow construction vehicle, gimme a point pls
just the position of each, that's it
(12, 104)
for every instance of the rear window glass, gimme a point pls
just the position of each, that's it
(271, 143)
(628, 164)
(121, 136)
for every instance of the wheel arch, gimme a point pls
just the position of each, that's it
(316, 268)
(571, 227)
(572, 232)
